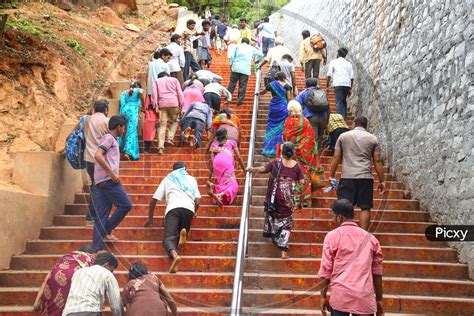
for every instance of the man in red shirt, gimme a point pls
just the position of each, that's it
(351, 264)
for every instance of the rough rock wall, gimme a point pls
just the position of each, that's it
(413, 63)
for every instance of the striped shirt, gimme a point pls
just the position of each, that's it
(89, 286)
(112, 157)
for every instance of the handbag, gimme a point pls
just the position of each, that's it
(269, 205)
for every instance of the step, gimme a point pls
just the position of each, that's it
(235, 211)
(437, 270)
(200, 264)
(391, 285)
(258, 200)
(228, 248)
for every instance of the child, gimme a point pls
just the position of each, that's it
(111, 191)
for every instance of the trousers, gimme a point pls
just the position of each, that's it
(91, 213)
(189, 61)
(341, 93)
(109, 194)
(311, 68)
(172, 114)
(214, 101)
(175, 221)
(242, 80)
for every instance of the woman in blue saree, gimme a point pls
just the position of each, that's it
(130, 103)
(277, 113)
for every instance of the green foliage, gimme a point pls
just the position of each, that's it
(74, 44)
(11, 137)
(21, 23)
(99, 82)
(234, 10)
(107, 30)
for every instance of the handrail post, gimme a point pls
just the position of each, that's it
(242, 246)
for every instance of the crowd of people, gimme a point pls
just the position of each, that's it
(181, 92)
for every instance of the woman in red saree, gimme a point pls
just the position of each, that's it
(298, 130)
(53, 293)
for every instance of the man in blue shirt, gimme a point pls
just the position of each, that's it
(318, 121)
(268, 32)
(240, 62)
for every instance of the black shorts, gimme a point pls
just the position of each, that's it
(359, 191)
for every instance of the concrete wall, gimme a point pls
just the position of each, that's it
(44, 183)
(413, 62)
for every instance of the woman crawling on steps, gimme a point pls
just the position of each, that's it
(223, 151)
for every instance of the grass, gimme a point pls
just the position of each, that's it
(11, 137)
(17, 22)
(107, 30)
(99, 82)
(76, 45)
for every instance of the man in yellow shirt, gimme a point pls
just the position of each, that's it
(310, 59)
(245, 31)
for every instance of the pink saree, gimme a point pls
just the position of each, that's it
(191, 95)
(224, 171)
(149, 123)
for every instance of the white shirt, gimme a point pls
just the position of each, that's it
(89, 286)
(176, 61)
(175, 198)
(276, 53)
(155, 67)
(207, 74)
(218, 89)
(341, 72)
(232, 35)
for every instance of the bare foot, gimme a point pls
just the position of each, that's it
(186, 134)
(210, 188)
(111, 237)
(192, 141)
(284, 255)
(182, 238)
(218, 199)
(126, 157)
(175, 264)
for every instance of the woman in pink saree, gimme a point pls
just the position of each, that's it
(223, 151)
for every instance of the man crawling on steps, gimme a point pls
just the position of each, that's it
(182, 202)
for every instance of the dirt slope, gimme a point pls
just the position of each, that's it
(54, 63)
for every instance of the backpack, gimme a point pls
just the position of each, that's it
(270, 76)
(317, 101)
(317, 42)
(75, 146)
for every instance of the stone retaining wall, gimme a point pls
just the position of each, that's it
(413, 63)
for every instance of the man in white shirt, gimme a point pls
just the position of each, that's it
(212, 95)
(342, 75)
(157, 66)
(90, 285)
(275, 53)
(181, 193)
(268, 33)
(176, 62)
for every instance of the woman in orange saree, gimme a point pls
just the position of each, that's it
(298, 130)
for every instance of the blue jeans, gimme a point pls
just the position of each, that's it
(189, 61)
(341, 99)
(267, 44)
(109, 194)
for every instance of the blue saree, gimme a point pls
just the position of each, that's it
(129, 108)
(277, 114)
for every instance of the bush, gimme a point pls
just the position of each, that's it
(74, 44)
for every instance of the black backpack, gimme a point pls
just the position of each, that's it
(270, 76)
(317, 101)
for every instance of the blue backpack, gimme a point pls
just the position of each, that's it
(75, 146)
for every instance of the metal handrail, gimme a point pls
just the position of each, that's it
(244, 219)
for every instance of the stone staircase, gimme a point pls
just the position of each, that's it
(204, 282)
(420, 277)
